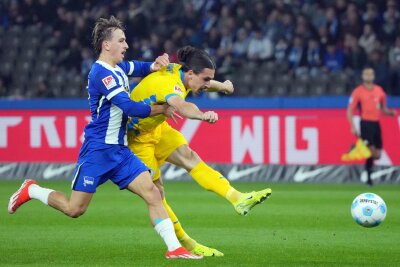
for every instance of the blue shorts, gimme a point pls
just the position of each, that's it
(98, 163)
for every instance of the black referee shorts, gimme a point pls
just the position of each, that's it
(371, 132)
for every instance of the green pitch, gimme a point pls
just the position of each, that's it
(300, 225)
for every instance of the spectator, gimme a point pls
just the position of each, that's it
(380, 66)
(280, 51)
(287, 29)
(333, 59)
(355, 56)
(351, 21)
(314, 57)
(224, 28)
(394, 63)
(260, 47)
(240, 15)
(371, 15)
(241, 45)
(332, 23)
(367, 38)
(390, 21)
(296, 53)
(272, 26)
(213, 40)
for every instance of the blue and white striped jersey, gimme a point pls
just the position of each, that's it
(110, 105)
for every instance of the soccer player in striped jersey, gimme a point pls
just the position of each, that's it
(371, 100)
(104, 154)
(154, 141)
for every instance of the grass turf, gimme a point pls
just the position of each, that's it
(300, 225)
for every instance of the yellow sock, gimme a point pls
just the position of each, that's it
(214, 181)
(185, 240)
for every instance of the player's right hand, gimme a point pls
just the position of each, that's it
(171, 112)
(210, 117)
(160, 61)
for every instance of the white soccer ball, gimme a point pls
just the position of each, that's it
(368, 210)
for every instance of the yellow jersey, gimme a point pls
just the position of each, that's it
(156, 88)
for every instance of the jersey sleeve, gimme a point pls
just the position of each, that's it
(354, 100)
(136, 68)
(131, 108)
(107, 83)
(169, 89)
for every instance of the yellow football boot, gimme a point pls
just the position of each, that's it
(249, 200)
(200, 249)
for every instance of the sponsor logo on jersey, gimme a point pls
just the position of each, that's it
(178, 89)
(109, 82)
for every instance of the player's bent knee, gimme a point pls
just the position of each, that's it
(155, 194)
(76, 212)
(152, 195)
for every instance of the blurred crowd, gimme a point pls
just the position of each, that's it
(310, 38)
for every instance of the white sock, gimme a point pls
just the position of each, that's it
(165, 229)
(39, 193)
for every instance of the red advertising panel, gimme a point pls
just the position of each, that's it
(289, 136)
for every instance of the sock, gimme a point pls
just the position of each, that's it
(214, 181)
(39, 193)
(185, 240)
(368, 167)
(166, 230)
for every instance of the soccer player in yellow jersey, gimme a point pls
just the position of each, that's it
(154, 141)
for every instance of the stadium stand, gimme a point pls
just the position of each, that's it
(268, 48)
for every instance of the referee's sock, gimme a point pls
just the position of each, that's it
(368, 167)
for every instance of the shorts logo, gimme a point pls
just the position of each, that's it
(178, 89)
(109, 82)
(87, 180)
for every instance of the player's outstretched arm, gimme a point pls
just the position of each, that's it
(139, 109)
(160, 62)
(138, 68)
(225, 87)
(191, 111)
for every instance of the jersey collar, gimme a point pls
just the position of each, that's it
(182, 75)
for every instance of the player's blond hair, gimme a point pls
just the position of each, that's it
(103, 30)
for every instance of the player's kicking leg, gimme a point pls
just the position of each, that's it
(214, 181)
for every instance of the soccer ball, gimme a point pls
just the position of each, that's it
(368, 210)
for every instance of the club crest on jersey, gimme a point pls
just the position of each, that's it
(109, 82)
(87, 180)
(178, 89)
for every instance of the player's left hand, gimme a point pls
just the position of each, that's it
(160, 62)
(393, 112)
(228, 87)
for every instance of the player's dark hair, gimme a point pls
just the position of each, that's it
(103, 30)
(195, 59)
